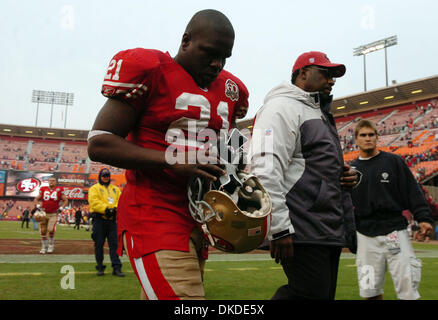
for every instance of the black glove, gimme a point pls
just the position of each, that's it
(111, 213)
(352, 242)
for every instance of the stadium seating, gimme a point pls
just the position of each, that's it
(74, 153)
(409, 130)
(13, 208)
(51, 156)
(44, 151)
(12, 148)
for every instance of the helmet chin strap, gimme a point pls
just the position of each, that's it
(222, 208)
(208, 234)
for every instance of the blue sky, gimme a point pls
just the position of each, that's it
(67, 45)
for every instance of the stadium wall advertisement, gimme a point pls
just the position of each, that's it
(25, 184)
(2, 182)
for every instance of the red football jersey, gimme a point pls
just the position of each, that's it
(50, 198)
(154, 205)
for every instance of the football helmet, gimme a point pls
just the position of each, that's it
(234, 212)
(39, 214)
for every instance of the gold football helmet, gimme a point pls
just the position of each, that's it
(39, 214)
(234, 212)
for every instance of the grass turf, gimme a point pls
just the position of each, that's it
(224, 280)
(13, 230)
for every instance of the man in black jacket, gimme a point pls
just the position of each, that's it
(387, 188)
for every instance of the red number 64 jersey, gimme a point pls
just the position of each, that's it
(154, 206)
(50, 198)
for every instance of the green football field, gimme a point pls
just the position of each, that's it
(227, 277)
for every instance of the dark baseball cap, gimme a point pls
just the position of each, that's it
(316, 58)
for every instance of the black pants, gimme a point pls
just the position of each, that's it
(27, 222)
(102, 230)
(312, 273)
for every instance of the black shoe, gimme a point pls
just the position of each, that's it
(100, 272)
(118, 273)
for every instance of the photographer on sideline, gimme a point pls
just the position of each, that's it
(103, 198)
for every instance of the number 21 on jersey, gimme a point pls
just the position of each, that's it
(111, 67)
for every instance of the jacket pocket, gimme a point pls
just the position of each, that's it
(322, 197)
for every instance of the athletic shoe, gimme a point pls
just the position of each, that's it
(118, 273)
(51, 248)
(43, 250)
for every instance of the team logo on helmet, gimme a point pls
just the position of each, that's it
(231, 90)
(28, 185)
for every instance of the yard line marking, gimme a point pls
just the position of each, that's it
(243, 269)
(93, 272)
(12, 274)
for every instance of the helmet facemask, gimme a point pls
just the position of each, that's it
(234, 211)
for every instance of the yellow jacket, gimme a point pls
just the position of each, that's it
(101, 197)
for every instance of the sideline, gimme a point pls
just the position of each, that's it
(89, 258)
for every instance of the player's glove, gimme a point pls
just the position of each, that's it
(110, 213)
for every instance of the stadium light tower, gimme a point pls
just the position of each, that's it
(371, 47)
(51, 97)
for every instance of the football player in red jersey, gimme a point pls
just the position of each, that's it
(50, 196)
(152, 96)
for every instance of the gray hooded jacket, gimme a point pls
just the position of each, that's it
(296, 154)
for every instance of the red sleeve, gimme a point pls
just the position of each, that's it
(131, 76)
(241, 107)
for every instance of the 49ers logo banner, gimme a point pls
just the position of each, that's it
(27, 184)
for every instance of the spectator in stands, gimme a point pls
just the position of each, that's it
(103, 198)
(387, 189)
(432, 203)
(26, 214)
(10, 205)
(421, 174)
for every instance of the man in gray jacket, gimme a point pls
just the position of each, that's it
(296, 153)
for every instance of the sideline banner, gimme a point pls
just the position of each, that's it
(27, 184)
(2, 182)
